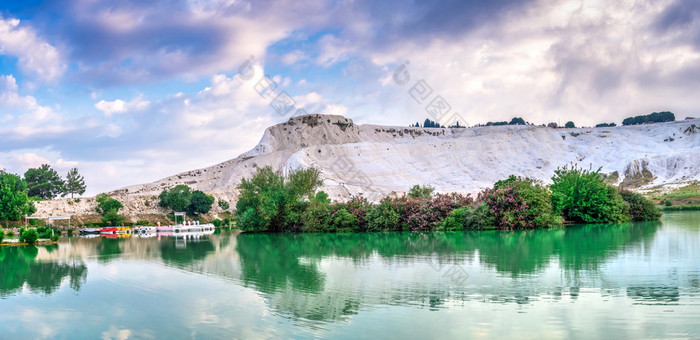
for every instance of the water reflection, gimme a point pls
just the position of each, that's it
(318, 280)
(330, 276)
(19, 266)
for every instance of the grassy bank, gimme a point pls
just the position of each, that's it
(687, 196)
(681, 208)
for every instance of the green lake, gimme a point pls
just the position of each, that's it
(636, 280)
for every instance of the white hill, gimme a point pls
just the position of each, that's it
(379, 160)
(383, 159)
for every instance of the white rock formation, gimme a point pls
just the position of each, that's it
(378, 160)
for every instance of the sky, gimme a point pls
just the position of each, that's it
(132, 91)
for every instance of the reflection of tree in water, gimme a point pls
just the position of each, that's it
(586, 247)
(18, 266)
(182, 253)
(576, 247)
(286, 266)
(108, 249)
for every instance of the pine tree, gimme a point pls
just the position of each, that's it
(43, 182)
(75, 183)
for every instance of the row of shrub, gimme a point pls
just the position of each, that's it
(270, 202)
(32, 235)
(654, 117)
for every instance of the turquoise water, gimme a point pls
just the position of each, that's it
(638, 280)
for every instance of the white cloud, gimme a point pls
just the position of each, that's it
(587, 61)
(294, 57)
(334, 50)
(18, 161)
(24, 117)
(119, 106)
(34, 55)
(335, 109)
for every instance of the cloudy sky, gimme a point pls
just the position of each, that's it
(132, 91)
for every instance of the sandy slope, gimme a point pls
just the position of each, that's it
(378, 160)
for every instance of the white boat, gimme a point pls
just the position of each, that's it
(85, 231)
(144, 230)
(195, 227)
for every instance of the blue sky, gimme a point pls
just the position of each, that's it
(132, 91)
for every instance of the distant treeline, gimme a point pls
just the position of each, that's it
(606, 125)
(656, 117)
(431, 124)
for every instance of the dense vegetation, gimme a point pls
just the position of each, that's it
(272, 202)
(109, 207)
(182, 198)
(655, 117)
(583, 197)
(14, 198)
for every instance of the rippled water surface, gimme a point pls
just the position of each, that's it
(638, 280)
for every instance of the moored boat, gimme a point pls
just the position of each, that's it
(87, 231)
(108, 230)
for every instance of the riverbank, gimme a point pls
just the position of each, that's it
(15, 242)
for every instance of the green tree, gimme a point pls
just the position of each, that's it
(106, 203)
(267, 200)
(74, 184)
(582, 196)
(112, 217)
(109, 208)
(14, 201)
(223, 205)
(424, 191)
(303, 183)
(569, 125)
(200, 203)
(517, 121)
(43, 182)
(177, 198)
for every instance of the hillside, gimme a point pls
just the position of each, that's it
(378, 160)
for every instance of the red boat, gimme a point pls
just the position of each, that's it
(108, 230)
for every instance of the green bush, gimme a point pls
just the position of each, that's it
(640, 208)
(520, 203)
(343, 221)
(668, 203)
(476, 217)
(317, 217)
(54, 238)
(582, 197)
(383, 217)
(424, 191)
(455, 221)
(224, 205)
(29, 236)
(2, 234)
(143, 222)
(471, 217)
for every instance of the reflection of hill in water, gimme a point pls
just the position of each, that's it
(290, 268)
(19, 265)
